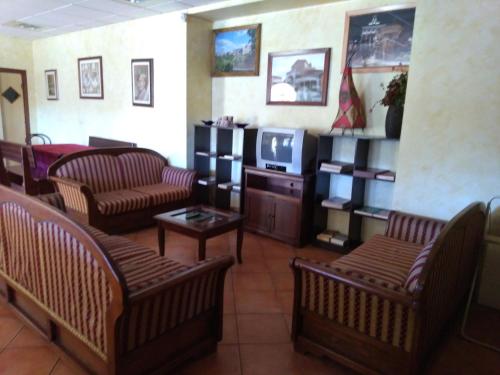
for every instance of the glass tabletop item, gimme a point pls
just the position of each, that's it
(198, 215)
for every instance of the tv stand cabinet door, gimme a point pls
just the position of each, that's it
(287, 221)
(258, 207)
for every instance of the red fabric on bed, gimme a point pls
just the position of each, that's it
(45, 155)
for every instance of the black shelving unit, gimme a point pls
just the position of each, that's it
(360, 161)
(223, 170)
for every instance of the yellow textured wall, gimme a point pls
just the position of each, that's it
(199, 88)
(71, 119)
(450, 144)
(312, 27)
(17, 53)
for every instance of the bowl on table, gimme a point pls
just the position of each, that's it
(241, 125)
(207, 122)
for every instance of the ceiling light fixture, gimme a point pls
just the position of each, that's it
(23, 25)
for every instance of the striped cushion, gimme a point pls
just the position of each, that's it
(141, 169)
(120, 201)
(416, 269)
(178, 177)
(380, 260)
(412, 228)
(101, 173)
(163, 193)
(140, 266)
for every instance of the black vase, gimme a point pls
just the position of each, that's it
(393, 121)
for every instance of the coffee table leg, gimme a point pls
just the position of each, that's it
(202, 242)
(239, 243)
(161, 240)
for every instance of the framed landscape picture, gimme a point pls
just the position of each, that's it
(90, 78)
(142, 82)
(379, 39)
(298, 77)
(236, 51)
(51, 84)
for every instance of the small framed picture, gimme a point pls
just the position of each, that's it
(142, 82)
(236, 51)
(298, 77)
(379, 39)
(90, 78)
(51, 84)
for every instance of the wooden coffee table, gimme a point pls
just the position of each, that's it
(200, 222)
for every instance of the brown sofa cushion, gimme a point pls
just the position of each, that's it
(163, 193)
(381, 260)
(119, 201)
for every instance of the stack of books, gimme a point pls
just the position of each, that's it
(386, 176)
(228, 186)
(333, 237)
(205, 153)
(205, 181)
(336, 203)
(230, 157)
(368, 172)
(378, 213)
(336, 167)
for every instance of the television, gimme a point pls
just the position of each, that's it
(286, 150)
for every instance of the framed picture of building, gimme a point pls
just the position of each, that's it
(90, 78)
(142, 82)
(379, 39)
(298, 77)
(236, 51)
(51, 84)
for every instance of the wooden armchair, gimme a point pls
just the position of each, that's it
(387, 319)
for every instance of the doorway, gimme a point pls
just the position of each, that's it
(14, 107)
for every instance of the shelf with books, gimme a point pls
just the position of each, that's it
(373, 212)
(344, 165)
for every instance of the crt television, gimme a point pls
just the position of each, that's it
(286, 150)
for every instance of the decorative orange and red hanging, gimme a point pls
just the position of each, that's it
(350, 114)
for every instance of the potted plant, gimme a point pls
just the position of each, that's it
(394, 99)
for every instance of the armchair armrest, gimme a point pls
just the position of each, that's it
(178, 177)
(380, 313)
(186, 295)
(413, 228)
(77, 196)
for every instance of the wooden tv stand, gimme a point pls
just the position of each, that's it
(279, 205)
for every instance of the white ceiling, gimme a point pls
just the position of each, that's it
(62, 16)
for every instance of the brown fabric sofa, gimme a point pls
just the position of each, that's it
(114, 306)
(382, 307)
(120, 189)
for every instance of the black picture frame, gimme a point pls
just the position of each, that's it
(142, 71)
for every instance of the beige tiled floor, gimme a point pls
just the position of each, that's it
(257, 321)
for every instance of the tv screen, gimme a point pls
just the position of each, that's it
(277, 147)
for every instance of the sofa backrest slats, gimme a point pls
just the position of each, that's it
(101, 173)
(411, 228)
(57, 264)
(141, 169)
(111, 169)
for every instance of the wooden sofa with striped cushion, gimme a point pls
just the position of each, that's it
(120, 189)
(113, 306)
(382, 307)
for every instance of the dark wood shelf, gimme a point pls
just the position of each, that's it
(212, 194)
(327, 153)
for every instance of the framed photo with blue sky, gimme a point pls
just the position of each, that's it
(236, 51)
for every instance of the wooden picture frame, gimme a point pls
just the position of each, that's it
(223, 58)
(90, 80)
(289, 87)
(380, 36)
(51, 85)
(142, 82)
